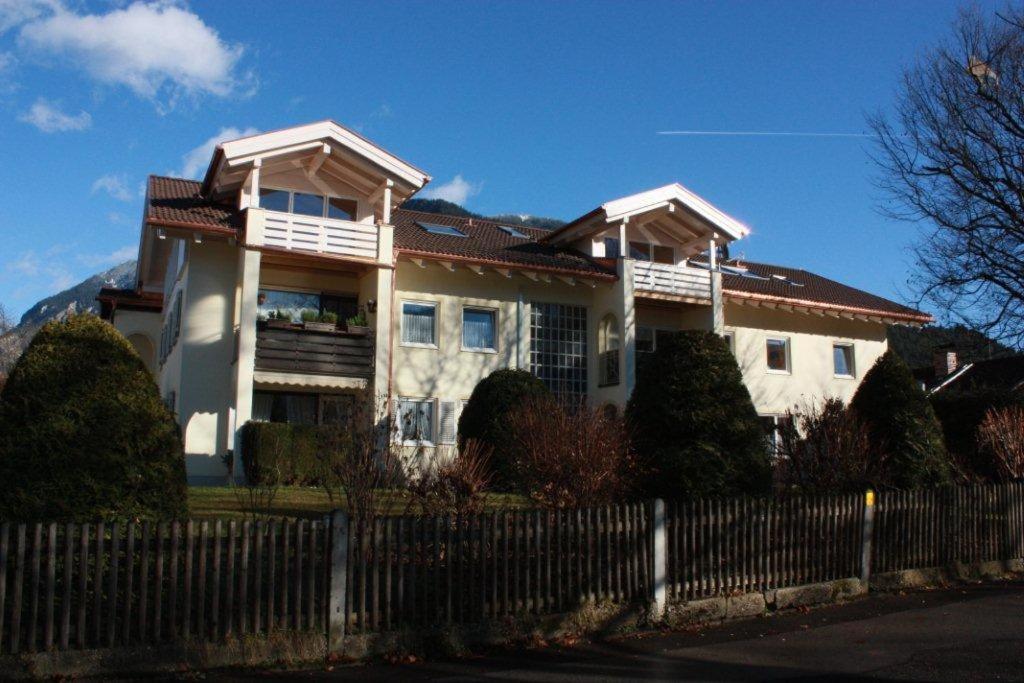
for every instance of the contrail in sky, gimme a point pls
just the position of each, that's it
(765, 133)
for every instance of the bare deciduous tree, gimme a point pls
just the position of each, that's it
(572, 458)
(1002, 433)
(457, 484)
(829, 453)
(952, 157)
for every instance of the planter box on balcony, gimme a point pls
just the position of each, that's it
(360, 330)
(319, 327)
(276, 324)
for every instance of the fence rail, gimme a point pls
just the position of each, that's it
(76, 586)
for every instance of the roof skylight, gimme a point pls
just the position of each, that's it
(509, 230)
(436, 229)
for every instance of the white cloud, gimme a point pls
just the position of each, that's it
(48, 118)
(114, 185)
(456, 190)
(16, 12)
(197, 159)
(125, 253)
(157, 49)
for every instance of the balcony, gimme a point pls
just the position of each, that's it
(295, 350)
(661, 280)
(316, 235)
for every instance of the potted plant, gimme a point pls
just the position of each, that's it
(357, 324)
(278, 320)
(313, 320)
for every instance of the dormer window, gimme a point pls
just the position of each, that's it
(307, 204)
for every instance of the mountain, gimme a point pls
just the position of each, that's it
(77, 299)
(446, 208)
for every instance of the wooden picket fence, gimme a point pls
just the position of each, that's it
(422, 571)
(936, 527)
(79, 586)
(108, 585)
(739, 545)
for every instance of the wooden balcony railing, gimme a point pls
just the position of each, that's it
(317, 235)
(302, 351)
(665, 279)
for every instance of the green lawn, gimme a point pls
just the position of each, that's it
(303, 502)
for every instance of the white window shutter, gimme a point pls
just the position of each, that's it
(447, 422)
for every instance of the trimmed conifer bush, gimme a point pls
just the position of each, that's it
(902, 425)
(83, 432)
(693, 422)
(486, 419)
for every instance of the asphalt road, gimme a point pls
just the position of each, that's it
(962, 634)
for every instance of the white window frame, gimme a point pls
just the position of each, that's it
(462, 328)
(401, 324)
(789, 355)
(730, 340)
(400, 437)
(853, 360)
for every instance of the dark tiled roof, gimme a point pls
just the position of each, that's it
(176, 200)
(815, 290)
(997, 373)
(486, 242)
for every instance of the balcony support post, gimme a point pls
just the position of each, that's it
(717, 307)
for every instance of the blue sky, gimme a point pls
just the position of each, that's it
(541, 108)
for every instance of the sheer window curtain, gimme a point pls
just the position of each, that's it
(262, 407)
(478, 329)
(418, 323)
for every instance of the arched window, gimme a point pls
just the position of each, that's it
(608, 344)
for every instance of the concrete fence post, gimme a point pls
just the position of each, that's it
(867, 534)
(336, 615)
(659, 585)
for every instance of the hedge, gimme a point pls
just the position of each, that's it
(291, 455)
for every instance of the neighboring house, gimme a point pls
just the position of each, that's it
(998, 374)
(309, 218)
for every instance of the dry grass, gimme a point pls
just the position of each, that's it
(310, 503)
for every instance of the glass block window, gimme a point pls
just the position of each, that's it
(558, 349)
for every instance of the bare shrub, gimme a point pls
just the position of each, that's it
(571, 457)
(1001, 433)
(457, 484)
(256, 497)
(828, 452)
(361, 466)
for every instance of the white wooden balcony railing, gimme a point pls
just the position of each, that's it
(682, 281)
(319, 235)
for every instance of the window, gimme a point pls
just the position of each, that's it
(512, 232)
(447, 423)
(435, 229)
(300, 409)
(419, 323)
(644, 339)
(662, 337)
(292, 304)
(416, 421)
(608, 347)
(343, 209)
(171, 329)
(660, 254)
(275, 200)
(558, 349)
(730, 340)
(842, 359)
(308, 204)
(611, 247)
(303, 409)
(776, 428)
(778, 354)
(641, 251)
(478, 329)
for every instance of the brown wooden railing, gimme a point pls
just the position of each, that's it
(309, 352)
